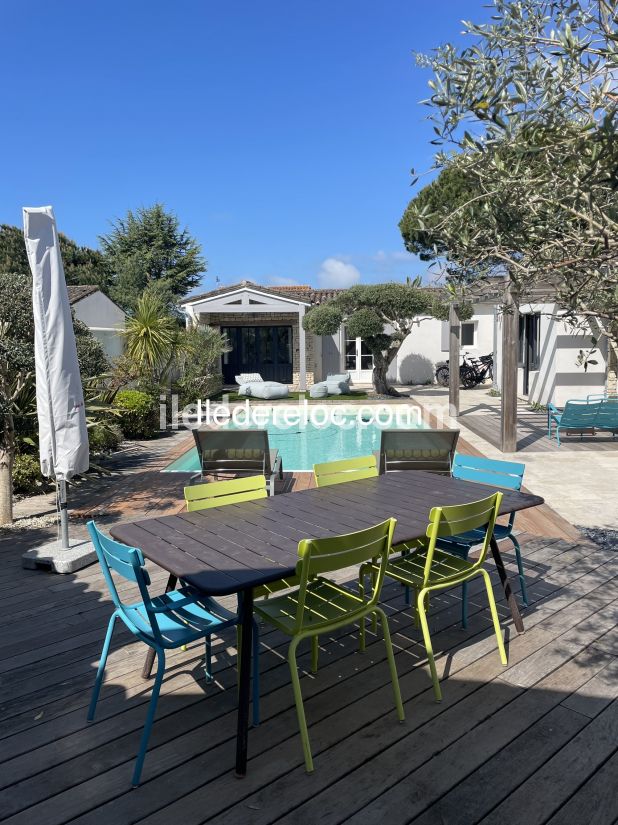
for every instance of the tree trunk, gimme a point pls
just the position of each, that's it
(7, 448)
(381, 363)
(508, 370)
(6, 486)
(454, 350)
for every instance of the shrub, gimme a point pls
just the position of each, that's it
(139, 414)
(104, 438)
(90, 353)
(199, 363)
(27, 476)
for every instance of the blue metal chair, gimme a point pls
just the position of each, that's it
(495, 474)
(165, 622)
(576, 415)
(607, 416)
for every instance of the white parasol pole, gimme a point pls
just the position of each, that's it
(63, 435)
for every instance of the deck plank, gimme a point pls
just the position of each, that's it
(54, 768)
(595, 802)
(194, 804)
(554, 783)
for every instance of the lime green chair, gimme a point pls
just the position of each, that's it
(218, 494)
(320, 605)
(429, 568)
(232, 491)
(349, 469)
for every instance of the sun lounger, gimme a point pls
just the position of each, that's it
(239, 452)
(253, 385)
(429, 450)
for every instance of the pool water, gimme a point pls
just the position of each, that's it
(304, 444)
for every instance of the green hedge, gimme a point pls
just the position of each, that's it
(27, 476)
(104, 438)
(139, 416)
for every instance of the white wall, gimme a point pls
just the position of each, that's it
(104, 319)
(559, 378)
(427, 345)
(571, 380)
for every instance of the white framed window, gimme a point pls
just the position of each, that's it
(468, 339)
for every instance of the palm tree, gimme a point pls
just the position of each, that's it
(152, 337)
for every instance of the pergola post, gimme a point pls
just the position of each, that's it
(302, 350)
(454, 348)
(510, 340)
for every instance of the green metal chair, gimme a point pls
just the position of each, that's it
(430, 569)
(235, 491)
(349, 469)
(320, 605)
(218, 493)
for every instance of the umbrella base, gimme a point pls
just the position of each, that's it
(52, 558)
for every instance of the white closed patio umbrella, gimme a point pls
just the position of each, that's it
(63, 435)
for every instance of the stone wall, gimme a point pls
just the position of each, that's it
(256, 319)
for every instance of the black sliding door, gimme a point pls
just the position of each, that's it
(529, 346)
(267, 350)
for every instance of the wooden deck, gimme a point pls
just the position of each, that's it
(532, 432)
(536, 742)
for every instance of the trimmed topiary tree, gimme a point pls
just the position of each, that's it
(382, 315)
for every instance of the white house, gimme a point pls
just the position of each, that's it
(264, 328)
(101, 315)
(548, 368)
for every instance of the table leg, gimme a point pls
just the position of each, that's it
(245, 682)
(510, 597)
(150, 656)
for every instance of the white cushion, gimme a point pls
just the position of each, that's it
(248, 377)
(263, 389)
(318, 390)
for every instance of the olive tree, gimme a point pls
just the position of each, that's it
(527, 116)
(383, 315)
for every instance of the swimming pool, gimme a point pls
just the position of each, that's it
(303, 444)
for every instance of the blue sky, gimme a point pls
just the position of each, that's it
(282, 133)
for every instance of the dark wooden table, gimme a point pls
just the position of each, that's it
(234, 548)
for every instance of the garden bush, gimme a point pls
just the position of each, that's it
(27, 476)
(139, 414)
(104, 438)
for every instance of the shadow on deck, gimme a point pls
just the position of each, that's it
(534, 742)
